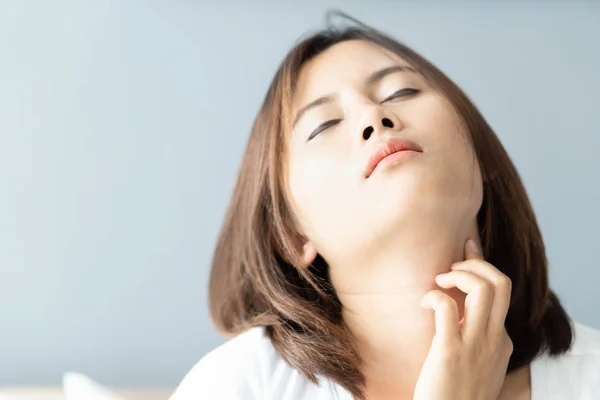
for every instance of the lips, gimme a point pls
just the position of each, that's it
(388, 148)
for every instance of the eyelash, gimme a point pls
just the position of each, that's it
(401, 92)
(322, 127)
(327, 124)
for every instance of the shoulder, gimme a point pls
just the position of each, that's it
(245, 367)
(587, 341)
(574, 374)
(234, 370)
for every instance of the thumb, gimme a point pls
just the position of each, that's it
(472, 250)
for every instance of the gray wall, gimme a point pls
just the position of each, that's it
(121, 129)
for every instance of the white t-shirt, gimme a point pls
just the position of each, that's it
(247, 367)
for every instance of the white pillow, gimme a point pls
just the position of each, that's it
(80, 387)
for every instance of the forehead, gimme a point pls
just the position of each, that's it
(343, 64)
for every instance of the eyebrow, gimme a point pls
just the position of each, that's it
(371, 80)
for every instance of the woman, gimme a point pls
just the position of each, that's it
(380, 245)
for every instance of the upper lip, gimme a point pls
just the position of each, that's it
(384, 148)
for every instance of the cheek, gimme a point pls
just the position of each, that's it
(319, 189)
(446, 138)
(310, 180)
(451, 171)
(462, 174)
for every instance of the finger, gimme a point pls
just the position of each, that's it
(446, 314)
(472, 250)
(480, 296)
(502, 290)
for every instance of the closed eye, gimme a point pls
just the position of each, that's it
(401, 93)
(322, 127)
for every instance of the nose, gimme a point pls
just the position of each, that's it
(378, 122)
(368, 131)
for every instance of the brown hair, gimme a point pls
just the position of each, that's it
(254, 281)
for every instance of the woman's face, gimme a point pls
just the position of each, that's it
(368, 98)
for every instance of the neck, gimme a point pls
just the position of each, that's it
(381, 308)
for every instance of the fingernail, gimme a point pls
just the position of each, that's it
(474, 246)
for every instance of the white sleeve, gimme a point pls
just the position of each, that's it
(220, 376)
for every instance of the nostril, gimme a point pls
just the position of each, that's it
(387, 123)
(367, 132)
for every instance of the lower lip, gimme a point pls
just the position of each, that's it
(394, 159)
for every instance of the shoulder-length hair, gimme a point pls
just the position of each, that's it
(255, 280)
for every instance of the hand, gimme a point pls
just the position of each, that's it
(468, 358)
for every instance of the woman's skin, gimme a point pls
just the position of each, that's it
(386, 237)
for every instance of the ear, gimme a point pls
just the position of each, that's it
(309, 253)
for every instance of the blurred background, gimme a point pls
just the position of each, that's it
(122, 125)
